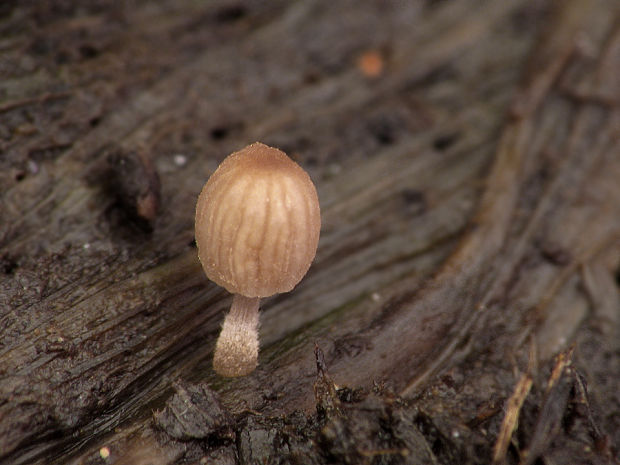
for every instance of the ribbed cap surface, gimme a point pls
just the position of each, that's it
(257, 222)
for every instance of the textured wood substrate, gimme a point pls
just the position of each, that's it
(470, 206)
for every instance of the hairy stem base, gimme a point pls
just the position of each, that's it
(236, 350)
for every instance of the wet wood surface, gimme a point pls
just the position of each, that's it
(467, 160)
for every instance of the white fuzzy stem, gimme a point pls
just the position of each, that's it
(236, 350)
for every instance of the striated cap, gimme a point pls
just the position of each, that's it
(257, 222)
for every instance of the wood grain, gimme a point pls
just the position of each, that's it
(469, 194)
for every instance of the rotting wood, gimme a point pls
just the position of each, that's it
(440, 197)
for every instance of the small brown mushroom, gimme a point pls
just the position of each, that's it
(257, 230)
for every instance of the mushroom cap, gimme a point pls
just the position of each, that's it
(257, 222)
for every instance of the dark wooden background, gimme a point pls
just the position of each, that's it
(470, 193)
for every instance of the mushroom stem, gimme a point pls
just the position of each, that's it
(236, 350)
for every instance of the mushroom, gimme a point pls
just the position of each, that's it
(257, 230)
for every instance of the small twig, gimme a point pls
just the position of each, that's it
(511, 419)
(326, 397)
(513, 408)
(601, 440)
(552, 409)
(562, 361)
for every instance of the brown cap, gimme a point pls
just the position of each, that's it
(257, 222)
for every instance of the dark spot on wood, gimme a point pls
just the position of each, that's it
(8, 264)
(311, 161)
(448, 381)
(311, 77)
(556, 254)
(94, 122)
(383, 130)
(445, 141)
(440, 73)
(230, 13)
(219, 132)
(88, 51)
(413, 196)
(133, 183)
(415, 201)
(19, 175)
(431, 4)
